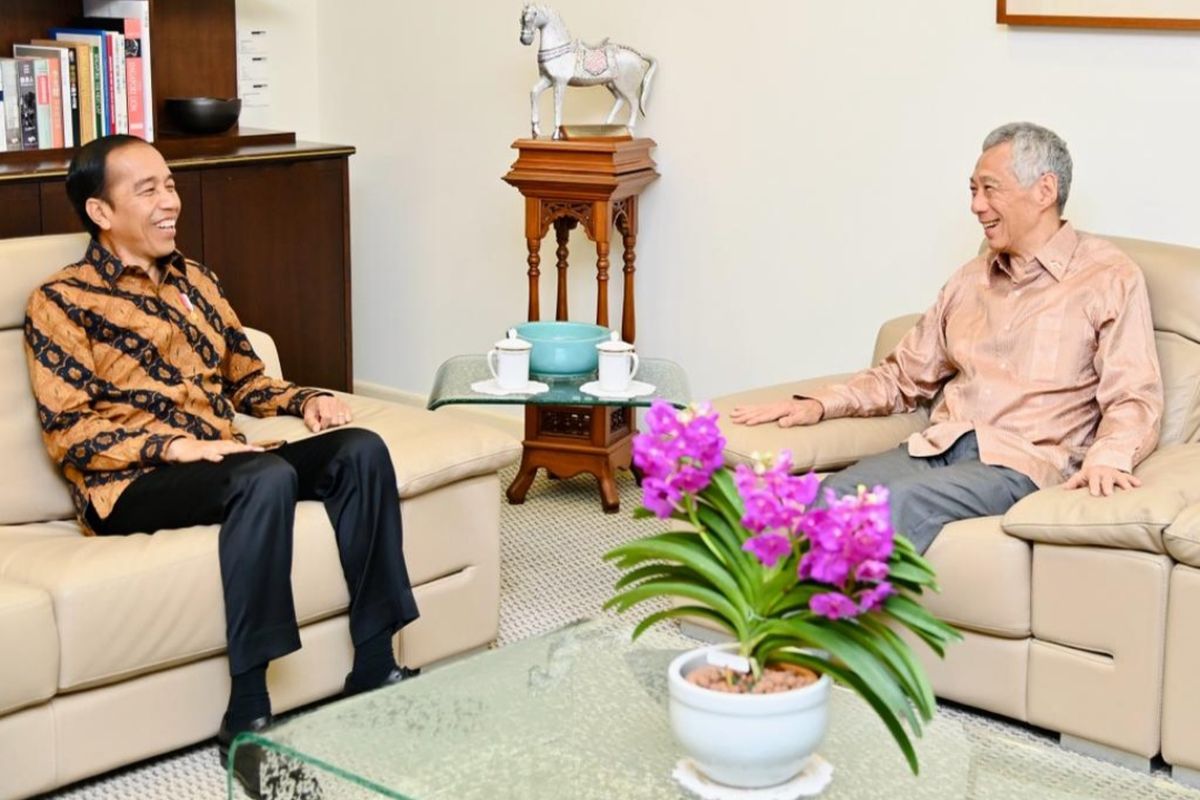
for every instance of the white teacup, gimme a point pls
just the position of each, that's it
(508, 361)
(618, 364)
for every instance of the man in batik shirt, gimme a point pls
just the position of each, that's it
(138, 364)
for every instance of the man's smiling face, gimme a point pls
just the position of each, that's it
(1007, 210)
(139, 208)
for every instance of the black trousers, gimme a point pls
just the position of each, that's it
(253, 497)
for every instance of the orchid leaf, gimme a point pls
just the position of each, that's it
(848, 677)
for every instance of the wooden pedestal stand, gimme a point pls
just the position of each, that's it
(593, 184)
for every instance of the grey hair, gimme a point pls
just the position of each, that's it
(1035, 152)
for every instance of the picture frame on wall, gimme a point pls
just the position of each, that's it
(1132, 14)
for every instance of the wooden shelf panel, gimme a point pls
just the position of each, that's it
(178, 150)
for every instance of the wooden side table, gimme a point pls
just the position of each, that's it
(593, 184)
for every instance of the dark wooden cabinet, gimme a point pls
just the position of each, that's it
(277, 236)
(270, 215)
(20, 209)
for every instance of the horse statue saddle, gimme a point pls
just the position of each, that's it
(597, 59)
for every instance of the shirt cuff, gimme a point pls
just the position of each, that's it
(830, 408)
(154, 450)
(295, 406)
(1105, 457)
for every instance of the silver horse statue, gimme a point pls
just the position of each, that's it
(563, 62)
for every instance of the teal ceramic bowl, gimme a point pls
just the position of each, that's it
(562, 348)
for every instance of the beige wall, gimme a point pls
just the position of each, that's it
(814, 157)
(291, 27)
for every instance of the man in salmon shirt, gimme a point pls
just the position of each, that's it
(1038, 356)
(138, 363)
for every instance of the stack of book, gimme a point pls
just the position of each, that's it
(80, 82)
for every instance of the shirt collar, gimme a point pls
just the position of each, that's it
(1054, 256)
(110, 267)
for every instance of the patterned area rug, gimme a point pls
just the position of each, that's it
(552, 574)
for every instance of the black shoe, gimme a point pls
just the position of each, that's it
(397, 675)
(247, 761)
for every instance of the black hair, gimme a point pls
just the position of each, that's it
(87, 175)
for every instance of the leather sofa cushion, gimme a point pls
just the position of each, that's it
(1182, 538)
(29, 642)
(1128, 519)
(828, 445)
(984, 575)
(25, 263)
(890, 333)
(31, 487)
(1180, 362)
(126, 605)
(428, 449)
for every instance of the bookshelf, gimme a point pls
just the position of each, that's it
(282, 254)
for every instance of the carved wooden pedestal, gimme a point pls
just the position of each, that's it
(592, 184)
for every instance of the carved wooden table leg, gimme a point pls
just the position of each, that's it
(610, 500)
(562, 231)
(626, 222)
(601, 282)
(520, 485)
(535, 258)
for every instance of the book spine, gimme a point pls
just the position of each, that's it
(45, 126)
(98, 91)
(3, 115)
(133, 77)
(87, 97)
(27, 94)
(147, 77)
(57, 128)
(122, 98)
(110, 86)
(72, 84)
(12, 107)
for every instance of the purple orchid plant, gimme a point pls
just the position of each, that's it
(822, 582)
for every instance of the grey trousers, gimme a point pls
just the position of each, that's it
(927, 493)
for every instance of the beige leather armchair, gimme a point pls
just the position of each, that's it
(1072, 607)
(112, 648)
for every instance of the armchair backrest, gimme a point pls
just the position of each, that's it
(1173, 281)
(31, 488)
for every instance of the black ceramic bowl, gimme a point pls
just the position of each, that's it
(203, 114)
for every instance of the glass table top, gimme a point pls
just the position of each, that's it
(582, 713)
(452, 384)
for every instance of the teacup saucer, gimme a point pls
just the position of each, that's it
(635, 389)
(490, 386)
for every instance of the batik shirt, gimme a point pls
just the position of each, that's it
(1051, 363)
(121, 366)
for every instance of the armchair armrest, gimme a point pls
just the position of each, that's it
(1182, 538)
(828, 445)
(1132, 520)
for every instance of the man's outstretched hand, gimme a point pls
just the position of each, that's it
(1102, 480)
(186, 449)
(323, 412)
(789, 413)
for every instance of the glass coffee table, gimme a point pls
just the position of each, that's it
(567, 431)
(581, 713)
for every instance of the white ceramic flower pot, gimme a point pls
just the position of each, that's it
(745, 740)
